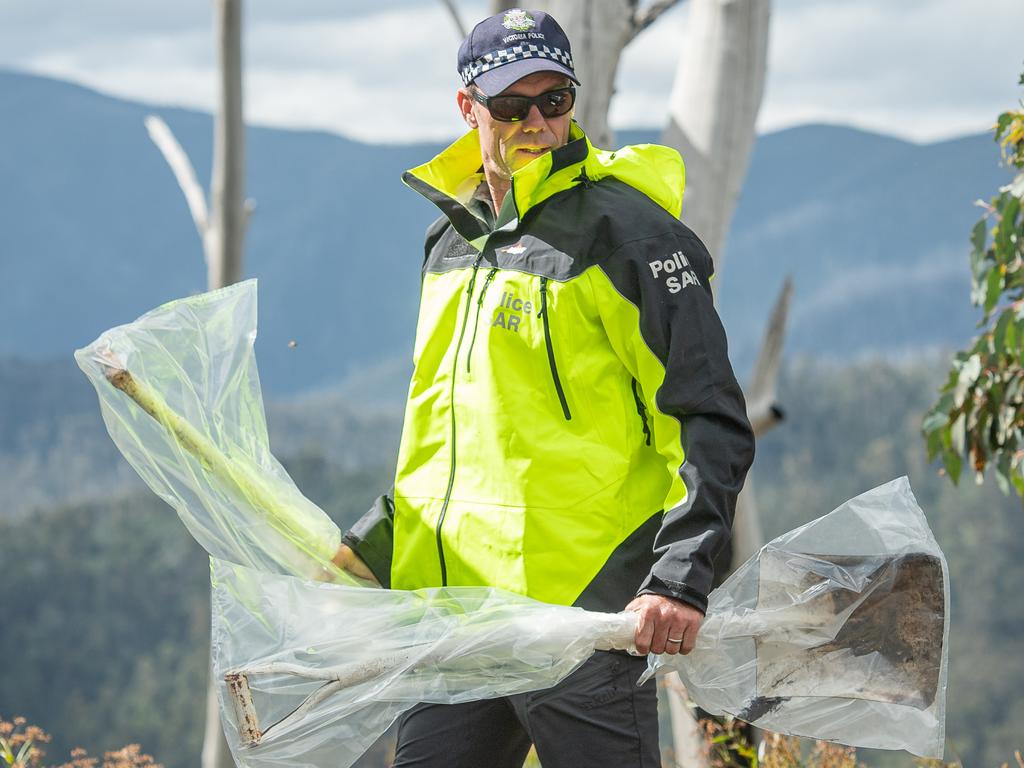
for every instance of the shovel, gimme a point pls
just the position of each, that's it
(867, 627)
(841, 626)
(825, 626)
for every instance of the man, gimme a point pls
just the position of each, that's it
(574, 431)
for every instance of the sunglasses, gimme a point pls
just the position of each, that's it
(512, 109)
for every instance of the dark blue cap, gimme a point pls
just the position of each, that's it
(511, 45)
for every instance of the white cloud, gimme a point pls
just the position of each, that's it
(351, 77)
(926, 70)
(174, 67)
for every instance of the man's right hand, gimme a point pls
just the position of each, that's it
(349, 561)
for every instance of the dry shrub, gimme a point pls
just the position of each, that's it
(781, 751)
(20, 748)
(828, 755)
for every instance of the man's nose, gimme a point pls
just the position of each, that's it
(534, 120)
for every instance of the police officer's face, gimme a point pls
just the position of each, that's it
(507, 147)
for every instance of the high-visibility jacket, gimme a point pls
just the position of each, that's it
(574, 430)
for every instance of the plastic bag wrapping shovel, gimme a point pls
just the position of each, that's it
(180, 396)
(311, 672)
(836, 631)
(317, 672)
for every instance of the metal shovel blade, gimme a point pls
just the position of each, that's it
(865, 627)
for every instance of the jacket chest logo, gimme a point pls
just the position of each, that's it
(510, 311)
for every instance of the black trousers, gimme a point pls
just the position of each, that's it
(596, 717)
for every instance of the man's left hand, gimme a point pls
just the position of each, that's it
(665, 625)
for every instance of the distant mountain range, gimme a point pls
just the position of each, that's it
(94, 231)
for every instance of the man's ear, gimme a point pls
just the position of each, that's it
(466, 107)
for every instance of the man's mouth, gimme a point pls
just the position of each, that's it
(534, 150)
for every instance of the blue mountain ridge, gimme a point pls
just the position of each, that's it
(95, 232)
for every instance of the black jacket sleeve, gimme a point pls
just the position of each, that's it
(667, 332)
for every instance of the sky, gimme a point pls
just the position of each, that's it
(384, 70)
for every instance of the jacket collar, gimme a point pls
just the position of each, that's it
(450, 179)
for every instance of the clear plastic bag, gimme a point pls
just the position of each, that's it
(317, 672)
(180, 395)
(313, 665)
(837, 631)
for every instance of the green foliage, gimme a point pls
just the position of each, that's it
(729, 744)
(979, 416)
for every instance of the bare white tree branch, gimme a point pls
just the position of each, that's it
(763, 410)
(454, 12)
(719, 82)
(764, 413)
(183, 171)
(643, 19)
(248, 209)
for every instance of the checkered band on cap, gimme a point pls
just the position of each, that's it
(496, 59)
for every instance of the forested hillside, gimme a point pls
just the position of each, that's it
(105, 604)
(54, 448)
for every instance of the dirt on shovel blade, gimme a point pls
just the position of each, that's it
(888, 648)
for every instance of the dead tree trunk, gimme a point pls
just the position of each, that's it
(713, 109)
(221, 227)
(599, 31)
(227, 187)
(224, 250)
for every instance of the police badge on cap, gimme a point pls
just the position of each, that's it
(508, 46)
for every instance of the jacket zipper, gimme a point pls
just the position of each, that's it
(641, 409)
(479, 306)
(551, 349)
(451, 409)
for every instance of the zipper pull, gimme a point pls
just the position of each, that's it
(472, 279)
(584, 179)
(487, 282)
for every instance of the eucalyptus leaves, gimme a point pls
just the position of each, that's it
(979, 416)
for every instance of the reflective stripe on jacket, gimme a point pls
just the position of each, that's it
(574, 431)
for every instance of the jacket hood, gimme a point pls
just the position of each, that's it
(450, 179)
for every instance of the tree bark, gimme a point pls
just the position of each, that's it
(223, 242)
(713, 109)
(598, 31)
(227, 188)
